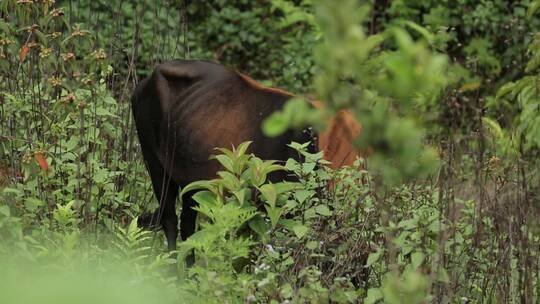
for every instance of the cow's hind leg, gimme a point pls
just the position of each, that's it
(169, 220)
(166, 191)
(188, 218)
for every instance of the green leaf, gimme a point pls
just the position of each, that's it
(225, 161)
(505, 89)
(242, 148)
(308, 167)
(419, 29)
(298, 146)
(300, 230)
(408, 224)
(275, 124)
(302, 195)
(269, 193)
(373, 295)
(312, 245)
(533, 8)
(229, 180)
(374, 257)
(291, 164)
(291, 204)
(103, 112)
(274, 213)
(258, 225)
(288, 223)
(417, 258)
(269, 167)
(226, 152)
(241, 195)
(533, 63)
(442, 275)
(257, 177)
(205, 198)
(4, 27)
(5, 210)
(403, 39)
(323, 210)
(494, 127)
(203, 184)
(286, 290)
(283, 187)
(310, 213)
(32, 203)
(133, 227)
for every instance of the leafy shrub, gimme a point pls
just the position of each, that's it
(59, 121)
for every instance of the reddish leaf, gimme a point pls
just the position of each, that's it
(23, 52)
(41, 161)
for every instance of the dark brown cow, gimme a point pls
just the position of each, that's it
(187, 108)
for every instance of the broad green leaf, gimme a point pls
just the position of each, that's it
(417, 258)
(241, 195)
(323, 210)
(274, 213)
(258, 225)
(288, 223)
(269, 167)
(374, 257)
(205, 198)
(204, 184)
(226, 152)
(291, 204)
(225, 161)
(283, 187)
(312, 245)
(310, 213)
(242, 148)
(291, 164)
(229, 180)
(257, 177)
(308, 167)
(300, 230)
(269, 193)
(302, 195)
(442, 275)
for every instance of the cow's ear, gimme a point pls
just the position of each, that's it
(171, 79)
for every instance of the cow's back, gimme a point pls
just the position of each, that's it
(187, 108)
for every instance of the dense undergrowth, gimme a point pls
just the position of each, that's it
(454, 223)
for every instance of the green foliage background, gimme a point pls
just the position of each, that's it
(447, 95)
